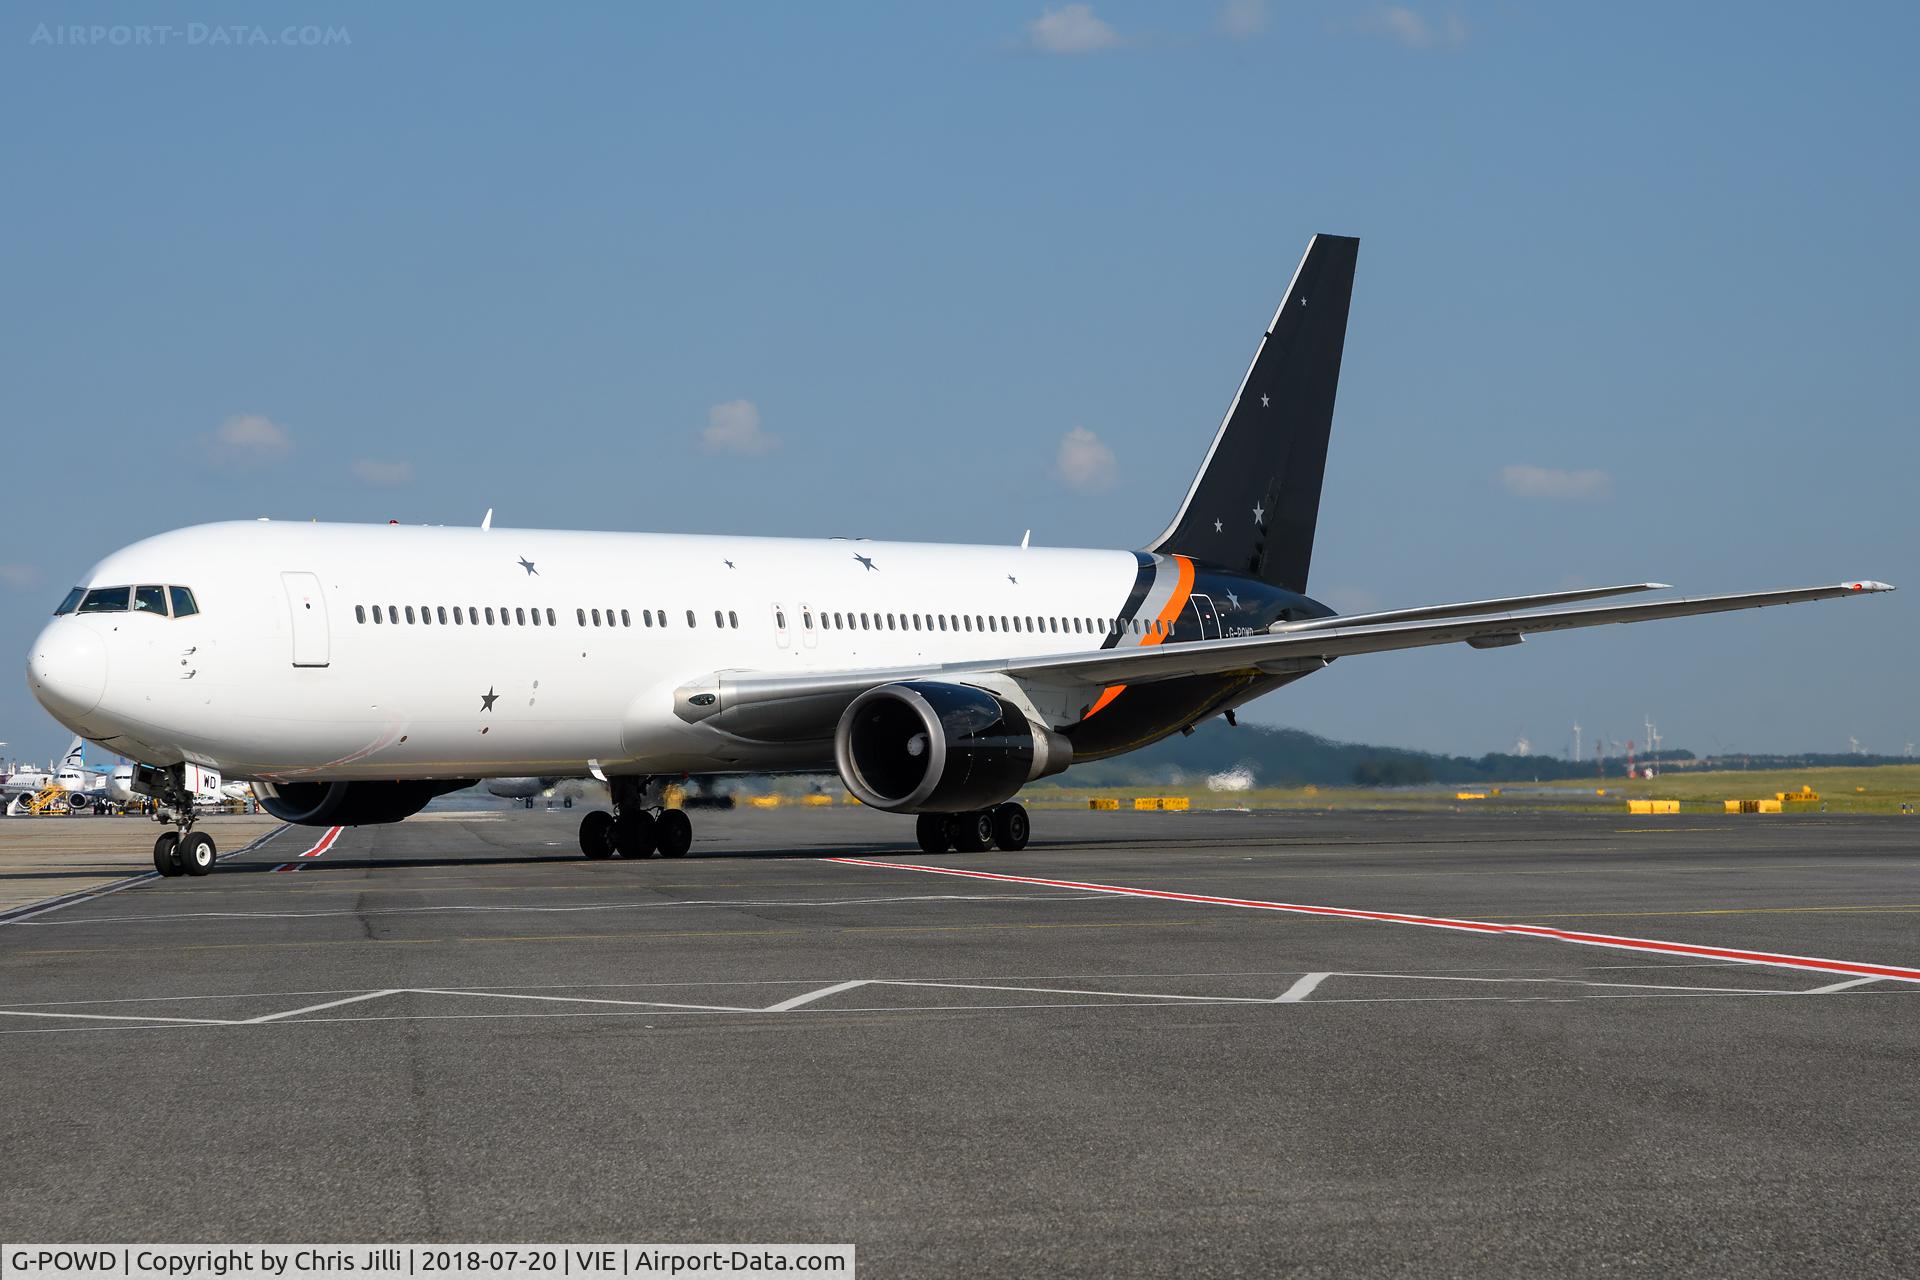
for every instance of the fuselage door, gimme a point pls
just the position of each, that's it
(1207, 616)
(308, 609)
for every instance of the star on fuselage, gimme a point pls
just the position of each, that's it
(488, 698)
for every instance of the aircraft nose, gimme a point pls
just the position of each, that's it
(67, 669)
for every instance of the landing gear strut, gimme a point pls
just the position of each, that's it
(1004, 826)
(183, 851)
(639, 825)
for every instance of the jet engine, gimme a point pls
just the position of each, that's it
(348, 804)
(925, 747)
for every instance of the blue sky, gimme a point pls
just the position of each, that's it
(1636, 300)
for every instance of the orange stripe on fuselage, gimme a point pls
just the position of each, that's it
(1182, 591)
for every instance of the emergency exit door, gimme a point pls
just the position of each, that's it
(308, 609)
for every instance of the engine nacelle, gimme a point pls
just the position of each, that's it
(348, 804)
(925, 747)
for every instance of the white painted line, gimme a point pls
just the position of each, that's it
(1083, 991)
(112, 1017)
(811, 996)
(32, 909)
(1302, 989)
(1486, 928)
(315, 1008)
(645, 1004)
(1840, 986)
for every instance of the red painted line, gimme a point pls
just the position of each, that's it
(1735, 954)
(320, 846)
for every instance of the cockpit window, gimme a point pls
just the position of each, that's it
(183, 605)
(106, 600)
(72, 602)
(150, 600)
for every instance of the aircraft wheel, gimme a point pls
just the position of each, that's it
(1010, 826)
(674, 832)
(529, 802)
(596, 834)
(973, 832)
(166, 854)
(934, 831)
(196, 853)
(633, 834)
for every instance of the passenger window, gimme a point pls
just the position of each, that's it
(536, 617)
(780, 619)
(106, 600)
(376, 615)
(690, 621)
(183, 605)
(409, 615)
(625, 620)
(596, 617)
(581, 614)
(457, 619)
(489, 615)
(646, 616)
(72, 602)
(806, 619)
(733, 620)
(520, 617)
(360, 614)
(150, 600)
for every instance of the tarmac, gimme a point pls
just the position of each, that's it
(1138, 1047)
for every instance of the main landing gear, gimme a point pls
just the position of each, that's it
(1004, 826)
(638, 827)
(182, 852)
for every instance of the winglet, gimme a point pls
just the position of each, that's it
(1868, 584)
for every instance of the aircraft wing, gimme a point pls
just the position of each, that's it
(806, 706)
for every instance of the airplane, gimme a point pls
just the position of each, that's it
(355, 672)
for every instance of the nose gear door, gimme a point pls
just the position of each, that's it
(1208, 617)
(307, 608)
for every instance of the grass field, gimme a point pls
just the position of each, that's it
(1874, 790)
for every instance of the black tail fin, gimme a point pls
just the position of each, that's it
(1253, 506)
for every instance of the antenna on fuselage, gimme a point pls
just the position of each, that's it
(486, 522)
(1024, 539)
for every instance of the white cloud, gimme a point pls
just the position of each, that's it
(1086, 463)
(382, 474)
(21, 577)
(1072, 28)
(1409, 27)
(1555, 483)
(248, 440)
(734, 427)
(1243, 19)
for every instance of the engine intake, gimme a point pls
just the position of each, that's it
(924, 747)
(348, 804)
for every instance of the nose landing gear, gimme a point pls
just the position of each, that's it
(183, 851)
(639, 825)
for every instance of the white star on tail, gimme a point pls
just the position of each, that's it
(1259, 514)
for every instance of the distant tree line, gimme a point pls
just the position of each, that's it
(1290, 757)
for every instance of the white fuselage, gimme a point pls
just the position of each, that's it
(284, 674)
